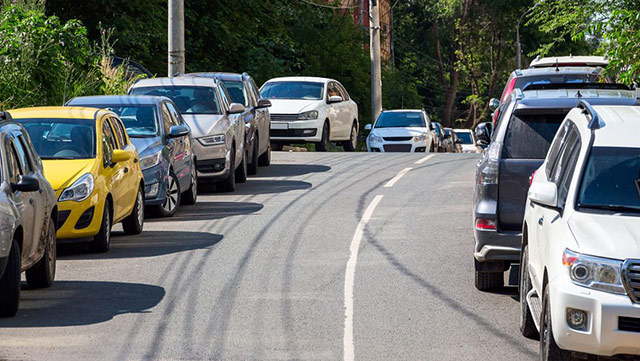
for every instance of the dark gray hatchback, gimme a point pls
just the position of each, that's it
(518, 147)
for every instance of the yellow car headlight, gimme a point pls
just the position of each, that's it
(80, 190)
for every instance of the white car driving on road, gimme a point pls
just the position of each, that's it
(311, 110)
(580, 274)
(407, 130)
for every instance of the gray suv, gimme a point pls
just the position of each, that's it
(518, 147)
(28, 214)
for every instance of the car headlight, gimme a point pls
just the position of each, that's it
(420, 138)
(80, 190)
(594, 272)
(310, 115)
(150, 160)
(212, 140)
(374, 138)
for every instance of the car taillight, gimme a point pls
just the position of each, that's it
(510, 87)
(489, 172)
(531, 177)
(485, 224)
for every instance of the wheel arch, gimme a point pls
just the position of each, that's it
(18, 235)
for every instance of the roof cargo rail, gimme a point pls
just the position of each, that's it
(595, 122)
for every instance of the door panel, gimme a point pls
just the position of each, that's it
(114, 173)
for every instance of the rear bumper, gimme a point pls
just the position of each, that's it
(497, 246)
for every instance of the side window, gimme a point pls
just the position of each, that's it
(567, 175)
(224, 96)
(119, 133)
(563, 158)
(554, 151)
(35, 162)
(13, 164)
(332, 90)
(343, 92)
(175, 116)
(108, 143)
(166, 118)
(254, 88)
(251, 98)
(23, 158)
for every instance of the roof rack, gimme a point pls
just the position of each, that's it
(595, 122)
(574, 86)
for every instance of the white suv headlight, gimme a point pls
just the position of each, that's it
(420, 138)
(374, 138)
(212, 140)
(310, 115)
(594, 272)
(150, 160)
(80, 190)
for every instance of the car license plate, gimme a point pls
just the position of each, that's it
(279, 126)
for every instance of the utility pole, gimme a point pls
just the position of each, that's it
(176, 38)
(376, 68)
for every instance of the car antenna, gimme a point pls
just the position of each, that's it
(578, 94)
(557, 67)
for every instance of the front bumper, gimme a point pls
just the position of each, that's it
(403, 146)
(302, 131)
(603, 336)
(80, 219)
(155, 184)
(210, 156)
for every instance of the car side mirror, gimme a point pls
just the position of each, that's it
(177, 131)
(26, 183)
(120, 155)
(545, 193)
(335, 99)
(368, 127)
(482, 133)
(263, 103)
(494, 104)
(236, 108)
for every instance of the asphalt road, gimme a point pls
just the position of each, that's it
(261, 274)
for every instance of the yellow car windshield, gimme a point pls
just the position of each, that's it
(62, 138)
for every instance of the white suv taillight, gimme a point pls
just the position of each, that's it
(489, 173)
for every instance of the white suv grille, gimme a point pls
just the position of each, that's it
(631, 279)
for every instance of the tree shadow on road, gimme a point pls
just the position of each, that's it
(75, 303)
(267, 186)
(210, 211)
(291, 170)
(146, 244)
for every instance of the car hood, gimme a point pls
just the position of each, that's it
(62, 173)
(606, 235)
(147, 146)
(206, 124)
(400, 132)
(292, 106)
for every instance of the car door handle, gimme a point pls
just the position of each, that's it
(541, 221)
(135, 160)
(126, 170)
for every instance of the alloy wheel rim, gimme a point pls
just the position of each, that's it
(140, 207)
(52, 252)
(354, 141)
(194, 184)
(171, 200)
(108, 225)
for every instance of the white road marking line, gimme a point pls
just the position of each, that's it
(424, 159)
(349, 278)
(397, 177)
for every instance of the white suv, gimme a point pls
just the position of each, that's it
(580, 273)
(311, 110)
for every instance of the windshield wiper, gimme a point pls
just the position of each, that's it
(611, 207)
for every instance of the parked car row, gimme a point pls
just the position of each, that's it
(557, 192)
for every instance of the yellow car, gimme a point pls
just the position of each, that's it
(93, 168)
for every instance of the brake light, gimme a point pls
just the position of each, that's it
(531, 177)
(485, 224)
(509, 90)
(568, 257)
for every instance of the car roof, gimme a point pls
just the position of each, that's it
(560, 60)
(403, 111)
(81, 113)
(301, 78)
(117, 100)
(621, 126)
(176, 81)
(565, 70)
(218, 75)
(569, 98)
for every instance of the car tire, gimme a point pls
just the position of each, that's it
(527, 324)
(172, 199)
(241, 171)
(549, 350)
(252, 168)
(229, 184)
(489, 281)
(323, 144)
(265, 158)
(134, 222)
(102, 241)
(190, 197)
(352, 143)
(10, 283)
(42, 274)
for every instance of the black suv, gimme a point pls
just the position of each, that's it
(243, 90)
(518, 147)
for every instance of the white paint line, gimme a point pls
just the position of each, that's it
(424, 159)
(349, 278)
(397, 178)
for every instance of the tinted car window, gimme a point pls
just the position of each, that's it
(293, 90)
(13, 165)
(23, 158)
(567, 166)
(522, 82)
(189, 99)
(62, 138)
(238, 92)
(465, 137)
(611, 178)
(139, 120)
(529, 136)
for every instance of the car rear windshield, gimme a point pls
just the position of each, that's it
(400, 120)
(189, 99)
(62, 138)
(293, 90)
(465, 137)
(523, 81)
(611, 179)
(139, 120)
(529, 136)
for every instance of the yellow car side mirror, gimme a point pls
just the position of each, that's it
(120, 156)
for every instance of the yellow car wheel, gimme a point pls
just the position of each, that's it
(135, 221)
(102, 241)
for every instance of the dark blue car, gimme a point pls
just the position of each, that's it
(164, 143)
